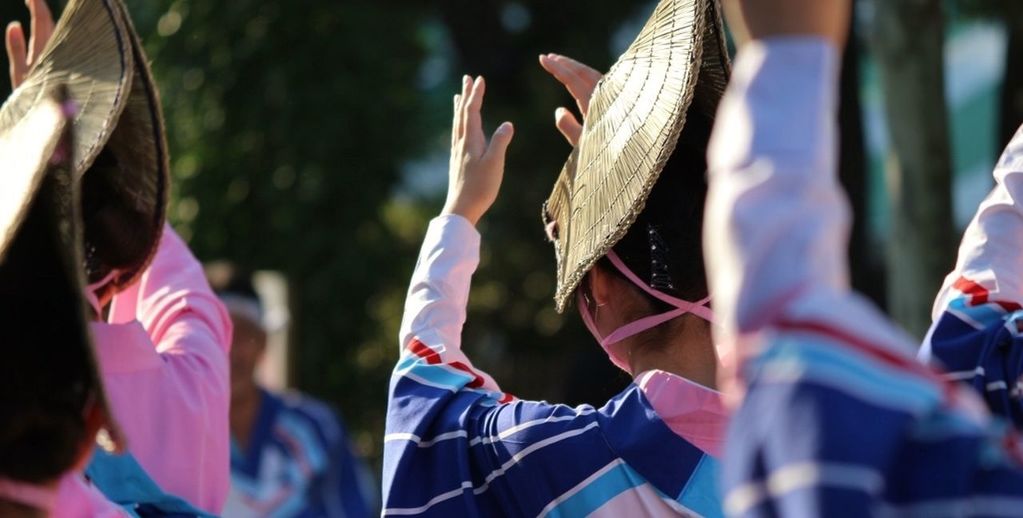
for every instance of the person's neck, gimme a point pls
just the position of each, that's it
(691, 354)
(244, 411)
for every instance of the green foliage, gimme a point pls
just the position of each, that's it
(288, 125)
(292, 126)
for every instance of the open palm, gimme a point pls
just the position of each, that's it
(580, 80)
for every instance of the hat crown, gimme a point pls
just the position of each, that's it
(96, 55)
(635, 116)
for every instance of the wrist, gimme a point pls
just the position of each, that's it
(454, 208)
(753, 20)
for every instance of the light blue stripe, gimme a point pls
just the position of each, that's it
(701, 492)
(406, 362)
(307, 439)
(836, 367)
(619, 479)
(434, 374)
(443, 376)
(984, 314)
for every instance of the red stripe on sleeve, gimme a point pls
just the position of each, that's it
(421, 350)
(980, 295)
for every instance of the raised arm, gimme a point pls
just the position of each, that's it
(976, 331)
(777, 221)
(990, 264)
(431, 329)
(775, 240)
(164, 362)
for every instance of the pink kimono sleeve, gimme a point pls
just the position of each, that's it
(164, 360)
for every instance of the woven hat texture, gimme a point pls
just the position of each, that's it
(677, 63)
(119, 133)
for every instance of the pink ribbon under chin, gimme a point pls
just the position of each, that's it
(90, 292)
(682, 307)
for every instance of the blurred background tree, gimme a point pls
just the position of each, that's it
(909, 42)
(311, 138)
(1011, 101)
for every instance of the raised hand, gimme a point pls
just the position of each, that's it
(477, 167)
(755, 19)
(580, 80)
(21, 55)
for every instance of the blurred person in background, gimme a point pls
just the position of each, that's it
(160, 334)
(625, 218)
(290, 454)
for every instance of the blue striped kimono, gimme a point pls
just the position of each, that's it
(976, 332)
(456, 445)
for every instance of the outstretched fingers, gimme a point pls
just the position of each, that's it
(499, 142)
(568, 125)
(458, 125)
(456, 120)
(473, 121)
(42, 28)
(16, 53)
(579, 79)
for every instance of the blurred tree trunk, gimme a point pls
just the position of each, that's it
(1011, 113)
(865, 270)
(908, 40)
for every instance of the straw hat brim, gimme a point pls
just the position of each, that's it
(677, 63)
(25, 149)
(96, 55)
(40, 246)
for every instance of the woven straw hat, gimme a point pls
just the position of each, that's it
(119, 132)
(49, 361)
(678, 63)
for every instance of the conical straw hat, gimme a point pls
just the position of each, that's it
(50, 367)
(95, 53)
(677, 63)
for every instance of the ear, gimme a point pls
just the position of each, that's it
(600, 284)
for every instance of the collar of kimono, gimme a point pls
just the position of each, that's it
(694, 412)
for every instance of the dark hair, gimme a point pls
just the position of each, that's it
(664, 246)
(48, 373)
(116, 234)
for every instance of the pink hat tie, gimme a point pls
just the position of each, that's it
(682, 307)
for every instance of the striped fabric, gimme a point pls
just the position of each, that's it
(837, 417)
(456, 445)
(976, 333)
(298, 463)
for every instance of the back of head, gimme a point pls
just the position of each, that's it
(48, 376)
(235, 287)
(663, 247)
(51, 397)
